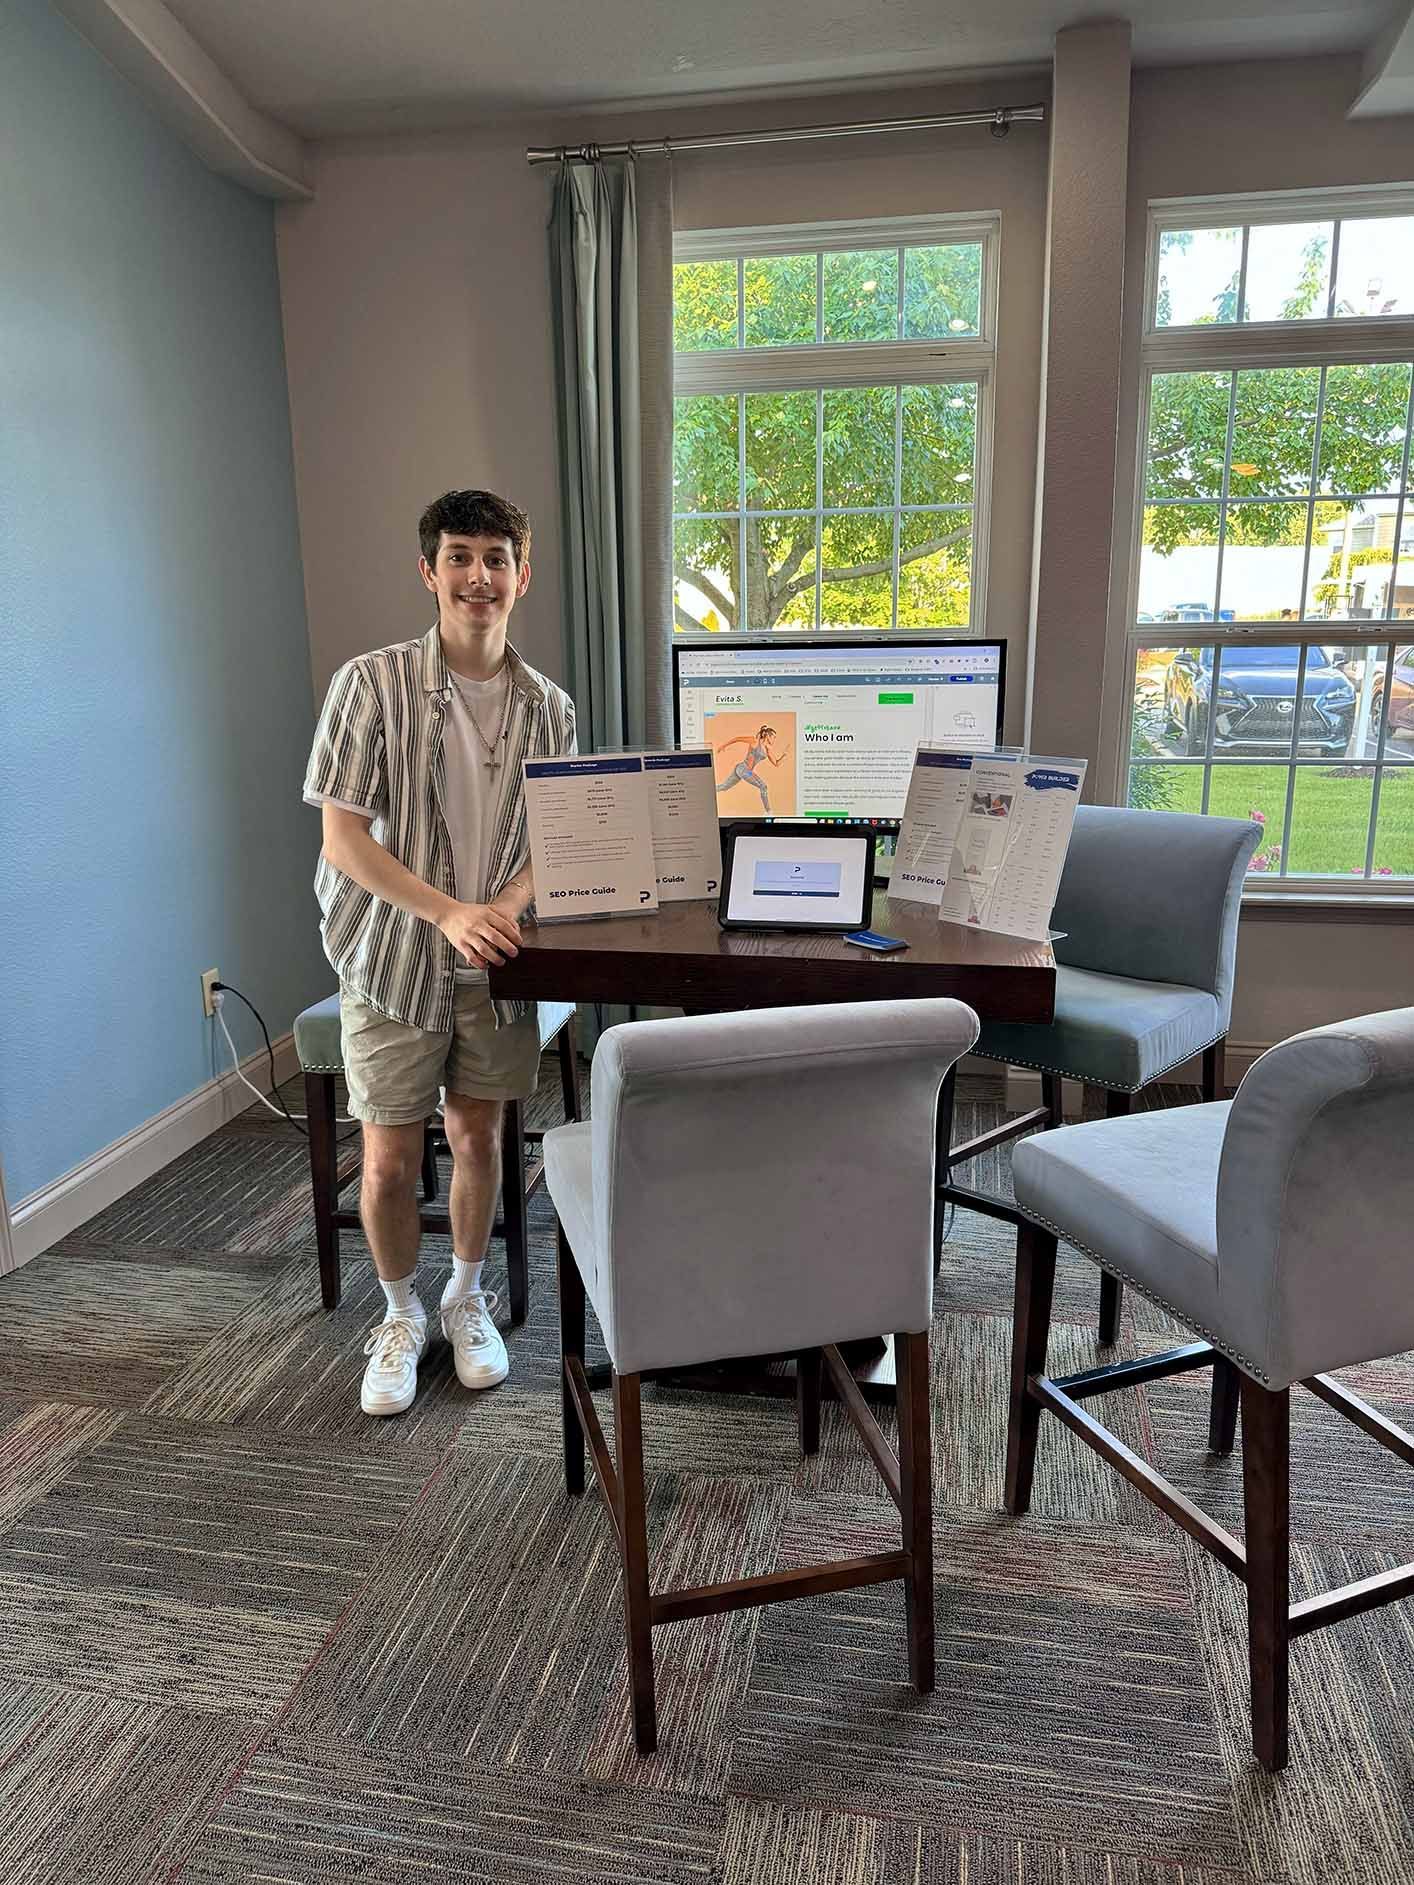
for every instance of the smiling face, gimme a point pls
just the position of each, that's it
(477, 583)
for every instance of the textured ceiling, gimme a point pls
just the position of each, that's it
(329, 67)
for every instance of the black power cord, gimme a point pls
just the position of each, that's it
(276, 1095)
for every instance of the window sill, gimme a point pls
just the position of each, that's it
(1313, 907)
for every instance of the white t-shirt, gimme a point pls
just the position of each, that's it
(471, 785)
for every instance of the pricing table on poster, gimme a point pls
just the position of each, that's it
(1011, 844)
(687, 833)
(591, 835)
(984, 837)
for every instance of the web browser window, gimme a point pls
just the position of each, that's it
(830, 732)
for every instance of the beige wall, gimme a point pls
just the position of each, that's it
(417, 328)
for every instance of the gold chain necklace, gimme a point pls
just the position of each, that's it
(493, 752)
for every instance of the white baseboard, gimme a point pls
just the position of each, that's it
(1023, 1084)
(60, 1207)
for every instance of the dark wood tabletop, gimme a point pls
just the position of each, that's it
(679, 957)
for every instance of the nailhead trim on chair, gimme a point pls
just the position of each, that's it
(1247, 1367)
(1069, 1073)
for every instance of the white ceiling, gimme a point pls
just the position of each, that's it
(332, 67)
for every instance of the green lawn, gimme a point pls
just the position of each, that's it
(1330, 816)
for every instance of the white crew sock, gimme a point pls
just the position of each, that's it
(402, 1297)
(465, 1278)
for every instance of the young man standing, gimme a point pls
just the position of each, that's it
(423, 879)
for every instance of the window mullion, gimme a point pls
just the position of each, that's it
(1224, 489)
(1311, 499)
(1385, 697)
(1335, 267)
(819, 504)
(742, 618)
(1401, 505)
(898, 495)
(1241, 314)
(1291, 761)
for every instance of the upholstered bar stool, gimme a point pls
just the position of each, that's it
(756, 1184)
(1148, 904)
(319, 1046)
(1278, 1226)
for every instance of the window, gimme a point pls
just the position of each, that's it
(1272, 597)
(831, 424)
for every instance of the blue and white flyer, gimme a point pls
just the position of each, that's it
(1011, 843)
(933, 811)
(591, 836)
(687, 832)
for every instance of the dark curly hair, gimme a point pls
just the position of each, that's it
(474, 514)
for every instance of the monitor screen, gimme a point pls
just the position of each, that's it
(826, 726)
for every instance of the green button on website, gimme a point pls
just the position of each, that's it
(895, 700)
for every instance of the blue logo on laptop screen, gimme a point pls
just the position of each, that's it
(795, 878)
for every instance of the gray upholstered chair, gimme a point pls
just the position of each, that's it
(1278, 1226)
(319, 1044)
(756, 1184)
(1148, 903)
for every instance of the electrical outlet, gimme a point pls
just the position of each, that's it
(209, 978)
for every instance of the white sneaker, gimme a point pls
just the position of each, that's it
(394, 1349)
(476, 1341)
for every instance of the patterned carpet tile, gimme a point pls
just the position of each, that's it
(1088, 1717)
(197, 1513)
(87, 1380)
(310, 1814)
(1344, 1808)
(37, 1446)
(768, 1844)
(234, 1191)
(108, 1330)
(104, 1790)
(972, 1372)
(125, 1314)
(1376, 1489)
(286, 1363)
(977, 1273)
(186, 1261)
(249, 1634)
(496, 1630)
(160, 1650)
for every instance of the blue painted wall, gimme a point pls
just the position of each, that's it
(155, 708)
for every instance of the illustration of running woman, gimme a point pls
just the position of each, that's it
(762, 747)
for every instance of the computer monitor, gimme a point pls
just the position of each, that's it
(825, 725)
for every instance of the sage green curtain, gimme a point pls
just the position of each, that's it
(611, 275)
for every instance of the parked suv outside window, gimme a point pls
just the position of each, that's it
(1256, 704)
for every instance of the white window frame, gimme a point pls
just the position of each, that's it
(826, 365)
(1234, 346)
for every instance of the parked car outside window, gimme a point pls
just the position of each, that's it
(1255, 705)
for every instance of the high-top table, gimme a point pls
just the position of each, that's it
(678, 957)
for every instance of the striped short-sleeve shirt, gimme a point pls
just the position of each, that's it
(378, 751)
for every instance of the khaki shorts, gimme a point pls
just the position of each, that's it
(394, 1071)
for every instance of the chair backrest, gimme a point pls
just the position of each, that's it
(1316, 1200)
(765, 1181)
(1155, 895)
